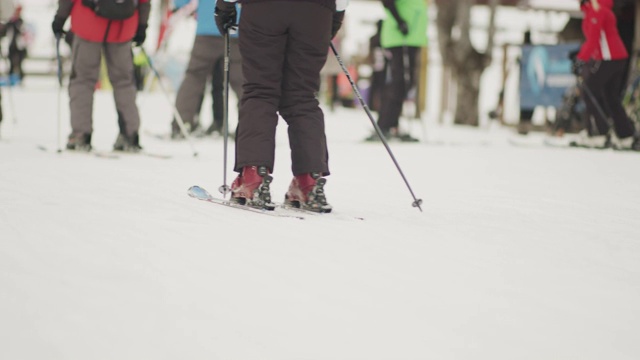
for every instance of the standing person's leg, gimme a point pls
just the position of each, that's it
(217, 96)
(412, 53)
(85, 69)
(309, 36)
(13, 61)
(191, 91)
(614, 72)
(592, 94)
(262, 45)
(394, 92)
(306, 55)
(119, 60)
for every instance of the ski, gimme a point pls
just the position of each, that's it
(161, 136)
(332, 214)
(549, 141)
(198, 135)
(200, 193)
(559, 142)
(92, 152)
(524, 141)
(143, 153)
(107, 154)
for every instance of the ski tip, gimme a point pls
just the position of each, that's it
(197, 191)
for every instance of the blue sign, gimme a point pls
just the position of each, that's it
(545, 74)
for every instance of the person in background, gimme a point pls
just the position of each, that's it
(7, 9)
(18, 44)
(404, 32)
(601, 61)
(284, 46)
(526, 114)
(94, 35)
(207, 55)
(379, 69)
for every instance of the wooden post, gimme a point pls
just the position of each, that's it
(422, 82)
(421, 100)
(636, 33)
(505, 75)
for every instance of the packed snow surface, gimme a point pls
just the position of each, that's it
(520, 252)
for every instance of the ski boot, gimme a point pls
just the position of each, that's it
(251, 188)
(127, 143)
(79, 142)
(215, 127)
(306, 192)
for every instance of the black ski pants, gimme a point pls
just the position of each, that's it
(601, 94)
(400, 78)
(283, 46)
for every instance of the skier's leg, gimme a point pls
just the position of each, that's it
(394, 92)
(217, 95)
(614, 71)
(119, 59)
(262, 45)
(593, 83)
(85, 70)
(299, 107)
(191, 91)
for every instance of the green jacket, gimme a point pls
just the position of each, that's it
(414, 13)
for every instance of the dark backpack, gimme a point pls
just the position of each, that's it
(113, 9)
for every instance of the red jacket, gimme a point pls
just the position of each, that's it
(89, 26)
(600, 29)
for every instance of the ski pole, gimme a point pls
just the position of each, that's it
(416, 202)
(224, 189)
(59, 73)
(179, 121)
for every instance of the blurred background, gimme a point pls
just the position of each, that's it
(509, 59)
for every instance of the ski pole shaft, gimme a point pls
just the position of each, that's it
(179, 120)
(224, 189)
(416, 202)
(59, 73)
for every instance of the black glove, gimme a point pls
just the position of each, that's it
(226, 15)
(57, 26)
(141, 34)
(338, 17)
(68, 38)
(576, 67)
(403, 27)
